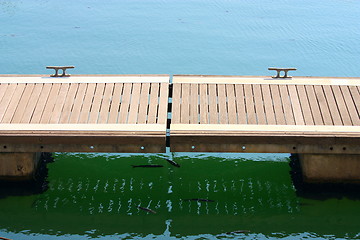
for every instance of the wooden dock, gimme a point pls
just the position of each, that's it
(125, 113)
(129, 113)
(266, 115)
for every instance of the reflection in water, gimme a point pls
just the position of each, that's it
(246, 196)
(94, 195)
(232, 193)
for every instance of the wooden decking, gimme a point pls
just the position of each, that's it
(260, 114)
(129, 113)
(88, 113)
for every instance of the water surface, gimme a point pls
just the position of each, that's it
(95, 196)
(320, 38)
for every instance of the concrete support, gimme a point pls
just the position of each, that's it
(18, 166)
(330, 168)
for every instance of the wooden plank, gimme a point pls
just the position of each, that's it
(268, 104)
(214, 79)
(156, 146)
(194, 104)
(222, 104)
(126, 78)
(3, 87)
(278, 108)
(259, 104)
(5, 98)
(236, 145)
(354, 116)
(144, 103)
(112, 129)
(296, 106)
(95, 107)
(230, 93)
(204, 104)
(85, 109)
(176, 104)
(105, 104)
(314, 105)
(68, 104)
(115, 104)
(59, 104)
(356, 98)
(32, 103)
(285, 99)
(24, 101)
(40, 105)
(134, 103)
(13, 103)
(185, 103)
(50, 104)
(154, 103)
(223, 129)
(333, 107)
(163, 103)
(125, 102)
(213, 105)
(249, 104)
(324, 108)
(78, 102)
(339, 99)
(240, 104)
(305, 106)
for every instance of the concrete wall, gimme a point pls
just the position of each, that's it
(330, 168)
(18, 166)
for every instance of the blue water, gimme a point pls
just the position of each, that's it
(319, 37)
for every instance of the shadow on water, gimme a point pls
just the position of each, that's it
(320, 191)
(98, 195)
(37, 185)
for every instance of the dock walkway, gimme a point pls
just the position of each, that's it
(129, 113)
(125, 113)
(262, 114)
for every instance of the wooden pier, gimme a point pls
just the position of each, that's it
(266, 115)
(147, 113)
(83, 113)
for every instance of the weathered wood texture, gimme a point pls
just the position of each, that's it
(83, 103)
(265, 104)
(67, 104)
(209, 113)
(213, 102)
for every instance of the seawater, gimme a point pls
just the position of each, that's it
(230, 37)
(95, 196)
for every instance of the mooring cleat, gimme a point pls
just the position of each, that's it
(57, 68)
(285, 70)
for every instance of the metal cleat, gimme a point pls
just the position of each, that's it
(63, 68)
(285, 70)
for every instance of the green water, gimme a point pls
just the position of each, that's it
(95, 196)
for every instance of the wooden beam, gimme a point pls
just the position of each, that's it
(223, 129)
(84, 127)
(263, 148)
(265, 80)
(87, 79)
